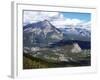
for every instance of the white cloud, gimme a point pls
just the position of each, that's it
(62, 21)
(73, 21)
(31, 16)
(56, 18)
(87, 23)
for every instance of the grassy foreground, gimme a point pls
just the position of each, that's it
(30, 62)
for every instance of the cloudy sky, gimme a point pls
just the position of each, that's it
(59, 19)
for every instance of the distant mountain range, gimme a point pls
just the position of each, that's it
(76, 34)
(44, 33)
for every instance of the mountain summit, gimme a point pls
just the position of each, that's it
(41, 34)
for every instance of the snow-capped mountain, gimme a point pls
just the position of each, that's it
(41, 33)
(44, 33)
(76, 33)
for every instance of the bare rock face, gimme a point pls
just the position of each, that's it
(76, 48)
(41, 34)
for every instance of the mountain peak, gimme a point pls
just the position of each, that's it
(46, 20)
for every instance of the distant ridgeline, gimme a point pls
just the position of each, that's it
(82, 44)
